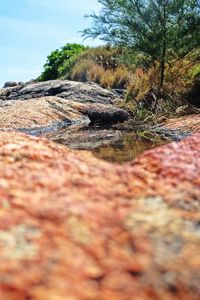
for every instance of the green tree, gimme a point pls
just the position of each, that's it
(159, 29)
(59, 60)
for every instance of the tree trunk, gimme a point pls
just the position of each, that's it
(162, 64)
(162, 72)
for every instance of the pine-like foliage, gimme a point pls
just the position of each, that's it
(159, 29)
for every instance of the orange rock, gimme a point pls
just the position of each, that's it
(73, 227)
(40, 113)
(185, 123)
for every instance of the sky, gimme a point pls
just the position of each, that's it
(32, 29)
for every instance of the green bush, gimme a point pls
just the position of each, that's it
(60, 60)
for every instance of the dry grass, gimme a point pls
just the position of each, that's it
(88, 70)
(141, 84)
(179, 76)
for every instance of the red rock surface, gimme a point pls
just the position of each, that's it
(73, 227)
(37, 112)
(189, 122)
(46, 111)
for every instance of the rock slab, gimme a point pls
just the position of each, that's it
(56, 103)
(76, 91)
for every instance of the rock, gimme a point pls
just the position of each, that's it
(173, 129)
(10, 84)
(76, 91)
(39, 113)
(44, 114)
(88, 99)
(189, 123)
(32, 81)
(75, 227)
(101, 113)
(120, 93)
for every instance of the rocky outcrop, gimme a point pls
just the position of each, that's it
(76, 91)
(51, 113)
(53, 104)
(10, 84)
(74, 227)
(38, 114)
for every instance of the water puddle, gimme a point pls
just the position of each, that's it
(111, 145)
(127, 148)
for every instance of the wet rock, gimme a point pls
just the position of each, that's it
(79, 228)
(76, 91)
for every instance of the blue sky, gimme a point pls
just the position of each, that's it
(31, 29)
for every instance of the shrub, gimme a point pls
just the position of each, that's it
(105, 56)
(60, 60)
(179, 77)
(89, 70)
(80, 71)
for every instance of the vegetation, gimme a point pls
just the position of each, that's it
(60, 60)
(152, 54)
(160, 29)
(102, 65)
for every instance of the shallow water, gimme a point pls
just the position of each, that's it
(111, 145)
(128, 147)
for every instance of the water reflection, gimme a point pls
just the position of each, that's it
(111, 145)
(128, 147)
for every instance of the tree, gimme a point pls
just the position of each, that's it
(59, 59)
(159, 29)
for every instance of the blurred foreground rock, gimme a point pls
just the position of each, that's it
(75, 227)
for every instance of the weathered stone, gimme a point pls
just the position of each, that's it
(52, 113)
(74, 227)
(101, 113)
(186, 123)
(76, 91)
(10, 84)
(39, 113)
(85, 100)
